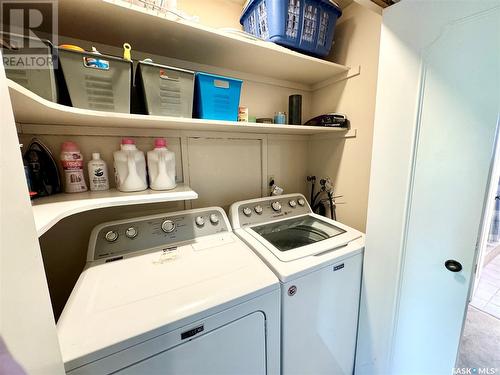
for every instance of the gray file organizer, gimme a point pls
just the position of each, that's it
(166, 91)
(18, 52)
(98, 82)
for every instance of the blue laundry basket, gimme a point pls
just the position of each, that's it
(216, 97)
(303, 25)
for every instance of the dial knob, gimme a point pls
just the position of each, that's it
(111, 236)
(214, 218)
(276, 206)
(292, 203)
(247, 211)
(301, 202)
(258, 209)
(168, 226)
(200, 221)
(131, 232)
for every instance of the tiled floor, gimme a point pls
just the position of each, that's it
(487, 296)
(480, 343)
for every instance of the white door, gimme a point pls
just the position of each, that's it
(26, 322)
(487, 219)
(438, 102)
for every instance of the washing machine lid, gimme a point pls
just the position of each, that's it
(120, 303)
(302, 236)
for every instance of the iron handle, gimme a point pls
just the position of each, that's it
(453, 266)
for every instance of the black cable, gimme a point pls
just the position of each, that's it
(317, 206)
(312, 180)
(314, 199)
(332, 211)
(271, 184)
(312, 193)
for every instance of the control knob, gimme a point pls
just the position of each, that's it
(301, 202)
(247, 211)
(200, 221)
(258, 209)
(276, 206)
(111, 236)
(168, 226)
(292, 203)
(214, 218)
(131, 232)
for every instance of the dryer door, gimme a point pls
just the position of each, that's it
(235, 348)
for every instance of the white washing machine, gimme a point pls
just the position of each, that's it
(318, 262)
(172, 294)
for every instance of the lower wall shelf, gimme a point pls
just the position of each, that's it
(49, 210)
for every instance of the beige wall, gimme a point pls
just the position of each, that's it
(214, 13)
(347, 161)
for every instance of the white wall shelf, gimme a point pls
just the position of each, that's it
(50, 210)
(31, 109)
(149, 32)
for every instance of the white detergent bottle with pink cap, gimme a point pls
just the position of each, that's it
(130, 167)
(161, 166)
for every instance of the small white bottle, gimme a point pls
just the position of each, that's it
(98, 173)
(161, 166)
(72, 163)
(130, 167)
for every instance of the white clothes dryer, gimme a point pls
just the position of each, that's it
(177, 293)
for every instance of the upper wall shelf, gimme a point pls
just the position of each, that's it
(148, 32)
(32, 109)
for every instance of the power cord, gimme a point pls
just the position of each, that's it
(312, 180)
(275, 189)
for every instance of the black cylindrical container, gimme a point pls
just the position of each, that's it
(295, 109)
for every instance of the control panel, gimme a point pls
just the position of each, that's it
(127, 236)
(257, 211)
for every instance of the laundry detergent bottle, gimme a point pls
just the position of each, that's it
(130, 167)
(161, 166)
(98, 173)
(72, 163)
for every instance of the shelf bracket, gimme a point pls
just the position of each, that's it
(352, 72)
